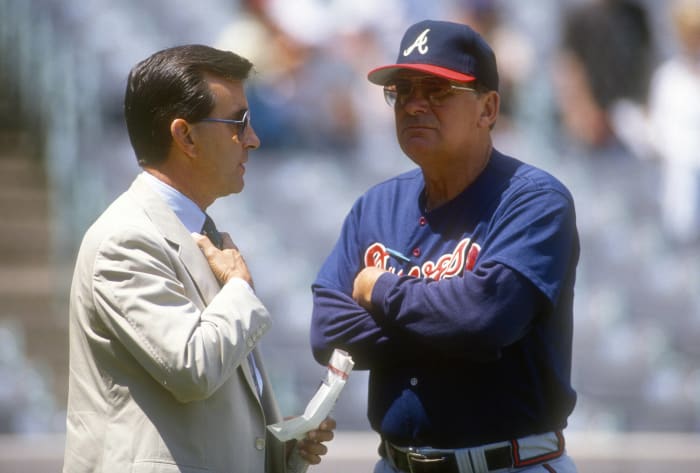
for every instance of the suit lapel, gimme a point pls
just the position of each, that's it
(178, 237)
(191, 256)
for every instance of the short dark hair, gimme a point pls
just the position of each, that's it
(170, 84)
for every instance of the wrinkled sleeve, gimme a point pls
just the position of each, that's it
(527, 255)
(190, 352)
(525, 260)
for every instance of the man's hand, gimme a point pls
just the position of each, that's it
(364, 284)
(311, 448)
(226, 263)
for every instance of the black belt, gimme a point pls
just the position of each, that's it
(445, 462)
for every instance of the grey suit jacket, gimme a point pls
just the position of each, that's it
(159, 380)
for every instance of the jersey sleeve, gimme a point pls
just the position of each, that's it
(475, 315)
(529, 250)
(337, 321)
(535, 234)
(528, 254)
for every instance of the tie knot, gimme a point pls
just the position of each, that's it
(209, 229)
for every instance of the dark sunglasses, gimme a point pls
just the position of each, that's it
(242, 123)
(436, 89)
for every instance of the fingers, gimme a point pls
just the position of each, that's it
(311, 452)
(202, 241)
(207, 247)
(226, 263)
(311, 448)
(228, 241)
(327, 424)
(205, 243)
(324, 432)
(320, 436)
(363, 285)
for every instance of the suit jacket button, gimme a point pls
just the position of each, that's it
(259, 443)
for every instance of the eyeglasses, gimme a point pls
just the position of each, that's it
(242, 123)
(436, 89)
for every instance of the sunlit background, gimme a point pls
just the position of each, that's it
(603, 94)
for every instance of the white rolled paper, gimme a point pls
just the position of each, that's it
(339, 368)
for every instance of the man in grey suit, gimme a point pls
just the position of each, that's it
(165, 373)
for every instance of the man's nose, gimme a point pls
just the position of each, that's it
(251, 139)
(416, 101)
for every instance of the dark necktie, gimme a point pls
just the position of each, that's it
(209, 229)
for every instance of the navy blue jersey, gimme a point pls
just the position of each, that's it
(469, 341)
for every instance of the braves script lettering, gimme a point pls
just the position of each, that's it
(421, 43)
(449, 265)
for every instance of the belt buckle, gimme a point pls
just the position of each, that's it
(415, 458)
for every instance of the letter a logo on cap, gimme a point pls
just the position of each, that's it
(421, 43)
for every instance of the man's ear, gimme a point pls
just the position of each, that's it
(491, 105)
(181, 131)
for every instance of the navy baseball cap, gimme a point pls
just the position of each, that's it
(442, 48)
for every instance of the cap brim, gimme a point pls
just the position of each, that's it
(381, 75)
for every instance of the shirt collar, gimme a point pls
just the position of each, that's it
(186, 210)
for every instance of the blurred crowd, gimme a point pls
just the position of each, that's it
(613, 82)
(605, 94)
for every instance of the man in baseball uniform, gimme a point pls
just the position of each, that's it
(453, 283)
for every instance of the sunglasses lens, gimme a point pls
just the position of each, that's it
(403, 87)
(245, 121)
(434, 88)
(390, 95)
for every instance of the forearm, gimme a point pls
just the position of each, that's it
(476, 314)
(338, 322)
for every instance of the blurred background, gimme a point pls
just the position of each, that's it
(604, 94)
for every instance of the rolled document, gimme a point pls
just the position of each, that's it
(321, 404)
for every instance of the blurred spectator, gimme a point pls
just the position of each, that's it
(278, 58)
(515, 51)
(604, 64)
(301, 98)
(675, 124)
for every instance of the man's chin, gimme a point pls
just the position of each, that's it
(236, 186)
